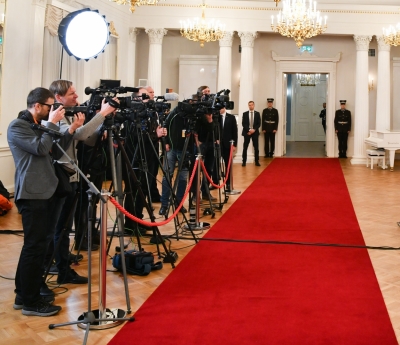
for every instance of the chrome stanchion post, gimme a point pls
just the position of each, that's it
(232, 191)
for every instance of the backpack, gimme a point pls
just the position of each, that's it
(137, 263)
(5, 203)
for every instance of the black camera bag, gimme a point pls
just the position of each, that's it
(137, 263)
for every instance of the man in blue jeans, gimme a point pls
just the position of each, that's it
(175, 141)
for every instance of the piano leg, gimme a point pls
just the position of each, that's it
(391, 158)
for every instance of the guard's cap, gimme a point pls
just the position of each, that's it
(342, 101)
(270, 100)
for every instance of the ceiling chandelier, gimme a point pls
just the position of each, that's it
(201, 30)
(299, 22)
(308, 79)
(277, 1)
(134, 3)
(391, 35)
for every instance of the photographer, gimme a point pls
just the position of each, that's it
(65, 94)
(141, 137)
(35, 184)
(175, 141)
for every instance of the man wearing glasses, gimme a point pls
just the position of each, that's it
(35, 184)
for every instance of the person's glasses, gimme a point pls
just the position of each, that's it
(49, 105)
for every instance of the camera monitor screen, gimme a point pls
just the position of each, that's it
(109, 83)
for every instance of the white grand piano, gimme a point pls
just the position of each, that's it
(388, 140)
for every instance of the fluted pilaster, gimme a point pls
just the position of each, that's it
(36, 43)
(246, 84)
(225, 62)
(155, 58)
(133, 32)
(361, 107)
(383, 86)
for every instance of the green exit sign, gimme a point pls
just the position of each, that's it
(306, 48)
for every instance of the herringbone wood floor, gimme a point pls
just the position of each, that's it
(376, 199)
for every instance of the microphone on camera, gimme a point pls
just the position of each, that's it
(47, 130)
(171, 96)
(125, 89)
(89, 91)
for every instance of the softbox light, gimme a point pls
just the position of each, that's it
(84, 33)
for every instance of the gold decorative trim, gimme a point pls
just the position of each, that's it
(113, 31)
(272, 9)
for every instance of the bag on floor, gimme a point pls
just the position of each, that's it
(5, 203)
(137, 263)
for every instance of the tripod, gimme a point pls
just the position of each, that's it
(89, 318)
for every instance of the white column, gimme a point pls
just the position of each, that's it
(383, 86)
(133, 32)
(246, 88)
(396, 91)
(361, 107)
(155, 58)
(36, 43)
(225, 62)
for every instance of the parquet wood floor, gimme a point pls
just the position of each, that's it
(376, 199)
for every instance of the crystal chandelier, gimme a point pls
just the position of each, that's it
(134, 3)
(391, 35)
(308, 79)
(202, 30)
(277, 1)
(299, 22)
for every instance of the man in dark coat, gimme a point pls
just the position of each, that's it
(322, 115)
(342, 127)
(251, 122)
(229, 132)
(270, 120)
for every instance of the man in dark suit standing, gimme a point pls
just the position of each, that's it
(229, 132)
(322, 115)
(342, 127)
(270, 120)
(251, 122)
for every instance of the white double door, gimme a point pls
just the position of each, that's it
(307, 107)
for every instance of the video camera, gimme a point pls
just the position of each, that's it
(207, 104)
(71, 111)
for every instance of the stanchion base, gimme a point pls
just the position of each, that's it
(198, 226)
(110, 314)
(233, 192)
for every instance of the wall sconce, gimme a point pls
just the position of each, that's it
(370, 84)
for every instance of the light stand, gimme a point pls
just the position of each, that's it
(105, 318)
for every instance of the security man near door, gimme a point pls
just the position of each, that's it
(251, 122)
(270, 120)
(342, 127)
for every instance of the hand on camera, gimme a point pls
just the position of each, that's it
(79, 119)
(161, 132)
(106, 108)
(56, 115)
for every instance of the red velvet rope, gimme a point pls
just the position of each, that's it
(147, 223)
(226, 175)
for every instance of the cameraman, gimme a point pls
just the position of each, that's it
(65, 94)
(141, 137)
(175, 142)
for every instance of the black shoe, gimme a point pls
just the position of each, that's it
(73, 258)
(41, 308)
(19, 304)
(45, 291)
(71, 278)
(163, 210)
(243, 164)
(258, 164)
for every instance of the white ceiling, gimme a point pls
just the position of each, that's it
(350, 2)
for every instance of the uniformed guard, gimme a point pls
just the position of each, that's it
(342, 127)
(270, 119)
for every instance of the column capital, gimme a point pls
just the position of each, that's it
(41, 3)
(247, 38)
(156, 35)
(133, 32)
(227, 40)
(362, 42)
(382, 45)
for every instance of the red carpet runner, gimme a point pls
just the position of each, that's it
(246, 293)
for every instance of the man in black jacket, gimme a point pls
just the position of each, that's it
(251, 122)
(342, 127)
(270, 120)
(229, 132)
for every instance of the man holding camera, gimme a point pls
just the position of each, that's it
(65, 94)
(35, 184)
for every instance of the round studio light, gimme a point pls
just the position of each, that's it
(84, 34)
